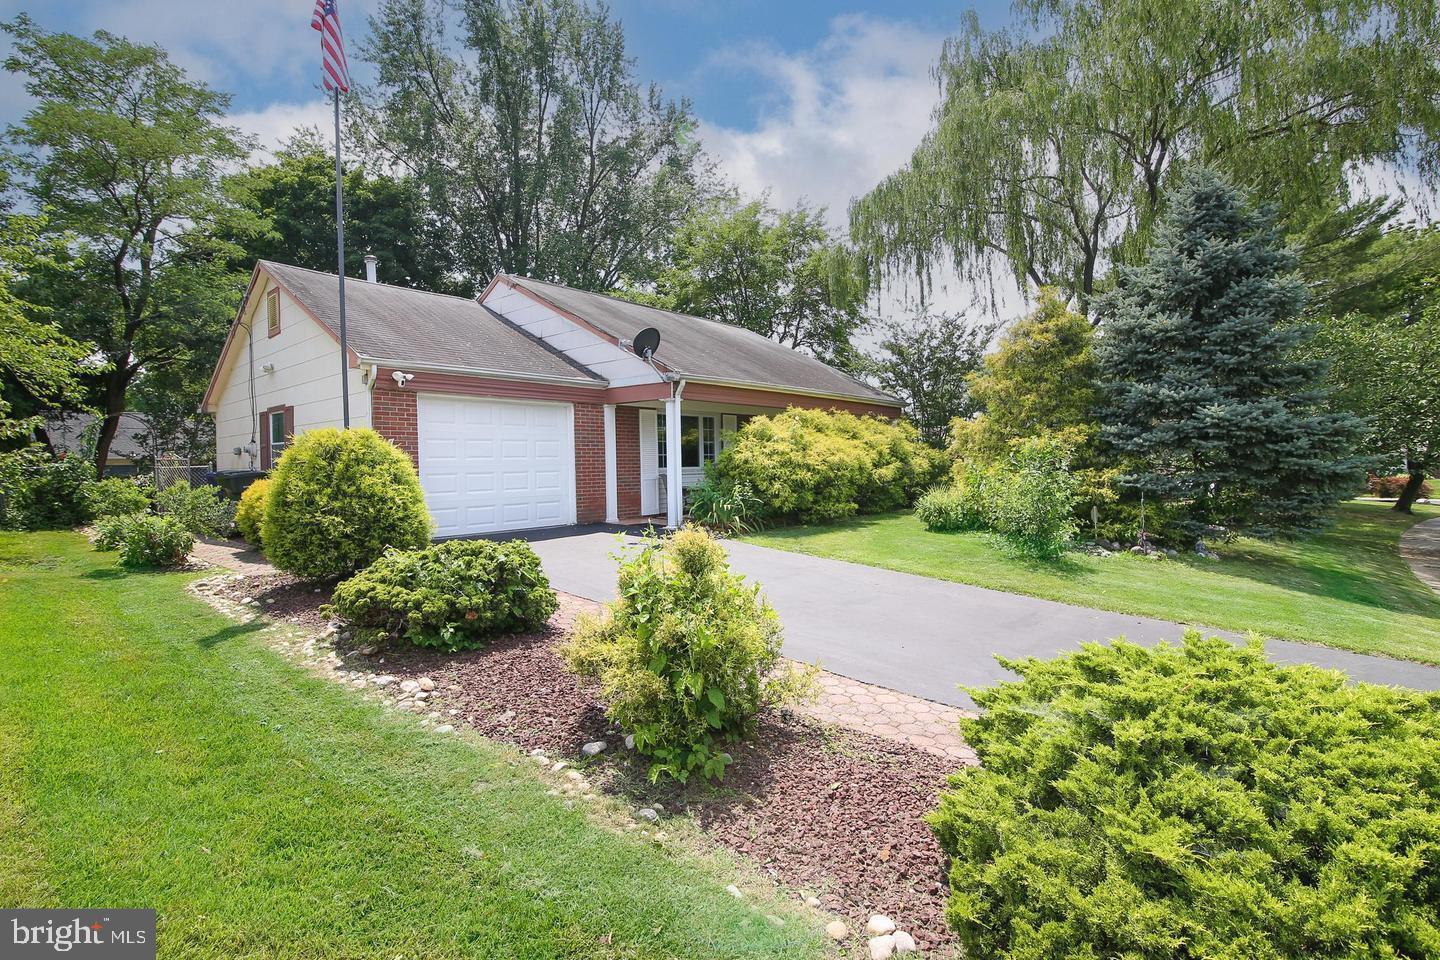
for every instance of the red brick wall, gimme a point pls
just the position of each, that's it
(392, 413)
(627, 460)
(589, 463)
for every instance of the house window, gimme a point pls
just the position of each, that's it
(707, 439)
(277, 434)
(660, 449)
(272, 313)
(698, 441)
(689, 442)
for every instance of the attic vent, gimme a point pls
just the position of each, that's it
(272, 312)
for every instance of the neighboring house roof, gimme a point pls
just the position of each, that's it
(384, 322)
(706, 349)
(67, 432)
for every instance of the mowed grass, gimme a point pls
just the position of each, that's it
(1347, 587)
(155, 754)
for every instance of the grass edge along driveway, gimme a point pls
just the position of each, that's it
(1348, 587)
(155, 754)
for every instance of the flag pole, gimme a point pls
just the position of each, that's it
(340, 255)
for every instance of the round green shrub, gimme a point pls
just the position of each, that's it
(150, 541)
(1192, 802)
(686, 657)
(338, 499)
(250, 514)
(817, 466)
(453, 595)
(109, 532)
(50, 494)
(115, 496)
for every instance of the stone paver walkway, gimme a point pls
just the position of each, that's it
(932, 727)
(233, 555)
(1420, 546)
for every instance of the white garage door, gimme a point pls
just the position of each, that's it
(490, 465)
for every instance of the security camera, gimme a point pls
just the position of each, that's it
(402, 378)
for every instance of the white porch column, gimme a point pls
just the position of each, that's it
(674, 493)
(612, 494)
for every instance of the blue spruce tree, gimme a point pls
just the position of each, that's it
(1206, 395)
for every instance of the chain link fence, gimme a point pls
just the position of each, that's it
(169, 470)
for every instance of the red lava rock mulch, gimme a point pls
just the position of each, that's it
(827, 811)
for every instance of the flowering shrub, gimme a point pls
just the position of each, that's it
(686, 657)
(1194, 801)
(452, 595)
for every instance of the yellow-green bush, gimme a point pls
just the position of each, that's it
(1195, 803)
(686, 656)
(250, 514)
(816, 466)
(338, 499)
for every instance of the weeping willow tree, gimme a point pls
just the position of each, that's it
(1055, 140)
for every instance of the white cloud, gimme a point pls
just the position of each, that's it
(842, 116)
(277, 122)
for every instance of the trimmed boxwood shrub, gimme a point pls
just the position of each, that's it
(115, 496)
(1195, 802)
(250, 514)
(816, 466)
(338, 499)
(150, 541)
(686, 657)
(453, 595)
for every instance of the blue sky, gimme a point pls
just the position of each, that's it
(801, 99)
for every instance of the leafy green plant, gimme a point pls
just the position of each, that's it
(250, 514)
(453, 595)
(816, 466)
(725, 505)
(686, 656)
(115, 496)
(956, 507)
(204, 511)
(151, 541)
(1194, 801)
(109, 532)
(338, 499)
(1033, 503)
(50, 494)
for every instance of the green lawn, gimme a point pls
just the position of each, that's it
(155, 754)
(1346, 588)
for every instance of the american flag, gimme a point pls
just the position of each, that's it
(326, 19)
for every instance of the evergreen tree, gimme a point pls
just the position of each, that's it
(1206, 393)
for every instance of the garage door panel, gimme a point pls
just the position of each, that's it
(489, 465)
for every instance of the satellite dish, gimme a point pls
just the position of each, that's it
(646, 342)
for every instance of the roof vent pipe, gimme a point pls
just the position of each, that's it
(372, 263)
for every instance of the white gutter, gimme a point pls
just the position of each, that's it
(480, 372)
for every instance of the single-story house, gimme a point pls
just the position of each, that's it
(524, 407)
(132, 450)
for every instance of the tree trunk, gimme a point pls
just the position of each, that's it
(115, 385)
(1413, 483)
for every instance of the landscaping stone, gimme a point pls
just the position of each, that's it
(445, 728)
(648, 814)
(383, 680)
(879, 924)
(735, 892)
(812, 902)
(409, 686)
(594, 748)
(882, 947)
(837, 930)
(426, 684)
(629, 741)
(904, 943)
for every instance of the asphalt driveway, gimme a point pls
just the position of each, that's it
(923, 636)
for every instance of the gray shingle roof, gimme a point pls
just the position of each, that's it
(707, 349)
(386, 322)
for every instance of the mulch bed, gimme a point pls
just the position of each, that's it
(830, 812)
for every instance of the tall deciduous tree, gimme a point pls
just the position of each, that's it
(778, 273)
(1055, 140)
(295, 196)
(1205, 391)
(125, 152)
(536, 149)
(925, 360)
(1383, 348)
